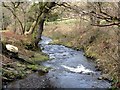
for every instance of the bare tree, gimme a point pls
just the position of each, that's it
(12, 9)
(103, 14)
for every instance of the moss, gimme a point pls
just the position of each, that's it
(11, 72)
(33, 67)
(38, 68)
(39, 57)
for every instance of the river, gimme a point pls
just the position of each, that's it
(69, 69)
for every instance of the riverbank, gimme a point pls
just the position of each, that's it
(98, 43)
(14, 68)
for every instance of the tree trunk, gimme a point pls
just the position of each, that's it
(118, 34)
(31, 30)
(14, 24)
(34, 24)
(3, 25)
(39, 32)
(41, 19)
(41, 22)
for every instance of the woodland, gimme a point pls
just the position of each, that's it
(90, 27)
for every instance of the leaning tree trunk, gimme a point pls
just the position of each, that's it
(34, 24)
(31, 30)
(39, 32)
(41, 22)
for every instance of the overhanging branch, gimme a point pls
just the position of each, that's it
(112, 24)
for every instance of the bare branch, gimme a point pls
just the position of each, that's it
(14, 15)
(112, 24)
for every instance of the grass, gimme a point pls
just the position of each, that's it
(64, 21)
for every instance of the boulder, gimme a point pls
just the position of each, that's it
(11, 48)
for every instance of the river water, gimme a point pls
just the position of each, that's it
(69, 69)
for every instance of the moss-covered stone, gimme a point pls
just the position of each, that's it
(38, 57)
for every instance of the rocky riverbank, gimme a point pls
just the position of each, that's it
(26, 62)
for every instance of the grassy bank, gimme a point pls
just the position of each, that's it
(98, 43)
(28, 60)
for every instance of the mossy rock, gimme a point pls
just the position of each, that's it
(33, 67)
(38, 68)
(39, 57)
(13, 73)
(8, 74)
